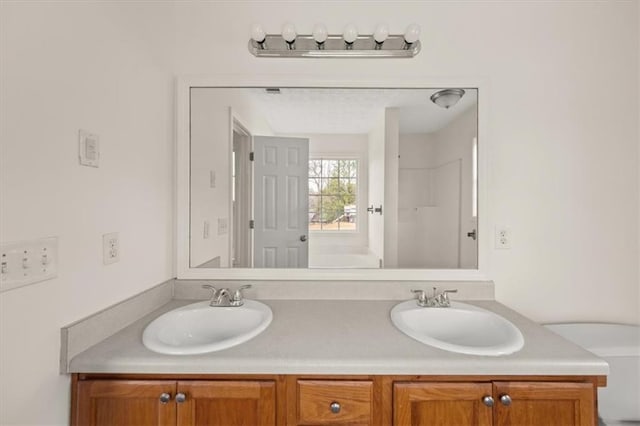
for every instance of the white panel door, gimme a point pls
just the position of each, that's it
(281, 215)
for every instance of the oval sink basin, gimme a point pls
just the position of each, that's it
(199, 328)
(461, 328)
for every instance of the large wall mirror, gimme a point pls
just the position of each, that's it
(329, 179)
(333, 178)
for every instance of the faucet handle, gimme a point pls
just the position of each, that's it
(214, 293)
(444, 297)
(238, 297)
(210, 287)
(422, 297)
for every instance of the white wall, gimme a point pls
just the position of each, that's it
(211, 148)
(562, 170)
(431, 235)
(376, 161)
(416, 200)
(455, 141)
(108, 70)
(390, 204)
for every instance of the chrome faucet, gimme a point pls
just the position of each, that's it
(440, 300)
(223, 297)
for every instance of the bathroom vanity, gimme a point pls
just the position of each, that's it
(338, 362)
(228, 400)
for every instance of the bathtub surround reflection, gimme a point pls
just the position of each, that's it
(283, 177)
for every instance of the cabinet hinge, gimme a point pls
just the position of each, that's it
(251, 156)
(252, 224)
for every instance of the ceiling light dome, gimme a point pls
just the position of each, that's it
(447, 98)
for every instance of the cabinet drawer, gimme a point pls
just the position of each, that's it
(351, 402)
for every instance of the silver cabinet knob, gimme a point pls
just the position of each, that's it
(165, 397)
(487, 400)
(335, 407)
(505, 400)
(180, 397)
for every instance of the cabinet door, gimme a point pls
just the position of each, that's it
(544, 404)
(441, 404)
(227, 403)
(125, 402)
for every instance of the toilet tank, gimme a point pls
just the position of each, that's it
(619, 345)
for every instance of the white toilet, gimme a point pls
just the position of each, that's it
(619, 345)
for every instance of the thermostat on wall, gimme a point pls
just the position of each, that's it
(89, 147)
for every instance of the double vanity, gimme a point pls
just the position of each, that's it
(288, 361)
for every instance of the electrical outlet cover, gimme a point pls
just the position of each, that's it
(502, 237)
(110, 248)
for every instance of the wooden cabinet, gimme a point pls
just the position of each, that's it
(324, 402)
(124, 402)
(497, 403)
(441, 404)
(169, 403)
(544, 404)
(296, 400)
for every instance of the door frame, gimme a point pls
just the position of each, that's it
(240, 221)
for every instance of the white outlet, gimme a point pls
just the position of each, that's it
(110, 248)
(503, 237)
(28, 262)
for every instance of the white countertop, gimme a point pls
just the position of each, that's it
(339, 337)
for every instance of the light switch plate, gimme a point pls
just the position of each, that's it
(88, 149)
(28, 262)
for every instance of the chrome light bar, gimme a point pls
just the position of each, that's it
(305, 46)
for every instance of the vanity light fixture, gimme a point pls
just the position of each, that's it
(380, 34)
(447, 98)
(350, 35)
(289, 34)
(321, 44)
(412, 34)
(320, 34)
(258, 35)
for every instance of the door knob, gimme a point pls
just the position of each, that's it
(488, 401)
(472, 234)
(165, 397)
(505, 400)
(180, 397)
(335, 407)
(303, 238)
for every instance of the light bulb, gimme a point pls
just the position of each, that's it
(350, 33)
(320, 33)
(289, 32)
(412, 33)
(257, 33)
(381, 33)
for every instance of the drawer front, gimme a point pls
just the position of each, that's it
(331, 402)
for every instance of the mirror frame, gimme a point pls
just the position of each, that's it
(182, 173)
